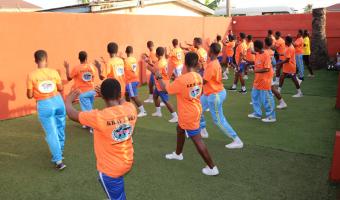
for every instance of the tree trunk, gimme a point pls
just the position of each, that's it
(319, 56)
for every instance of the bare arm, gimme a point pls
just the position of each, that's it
(98, 66)
(261, 70)
(160, 81)
(282, 62)
(72, 113)
(29, 93)
(67, 68)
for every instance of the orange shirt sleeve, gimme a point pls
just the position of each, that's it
(174, 87)
(90, 119)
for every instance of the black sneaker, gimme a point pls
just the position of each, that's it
(243, 91)
(60, 166)
(232, 89)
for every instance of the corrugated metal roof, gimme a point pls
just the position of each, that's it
(17, 4)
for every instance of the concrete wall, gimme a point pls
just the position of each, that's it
(289, 24)
(64, 35)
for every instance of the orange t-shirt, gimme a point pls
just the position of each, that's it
(153, 56)
(213, 76)
(188, 89)
(241, 50)
(263, 81)
(162, 67)
(43, 82)
(115, 70)
(290, 67)
(176, 56)
(230, 49)
(83, 77)
(131, 70)
(280, 48)
(113, 128)
(299, 46)
(250, 48)
(202, 56)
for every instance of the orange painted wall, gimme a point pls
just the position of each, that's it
(289, 24)
(64, 35)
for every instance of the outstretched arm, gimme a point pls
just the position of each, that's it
(98, 66)
(72, 113)
(67, 68)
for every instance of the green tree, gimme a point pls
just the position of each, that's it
(212, 4)
(308, 8)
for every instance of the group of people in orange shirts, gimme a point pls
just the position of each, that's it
(194, 76)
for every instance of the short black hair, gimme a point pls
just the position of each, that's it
(112, 48)
(258, 44)
(39, 55)
(305, 33)
(300, 31)
(249, 37)
(270, 32)
(149, 44)
(191, 59)
(129, 49)
(231, 37)
(218, 38)
(174, 42)
(82, 56)
(242, 35)
(268, 41)
(278, 33)
(160, 51)
(110, 89)
(198, 40)
(289, 39)
(215, 48)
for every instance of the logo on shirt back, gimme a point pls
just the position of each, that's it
(122, 132)
(179, 56)
(87, 76)
(120, 70)
(46, 87)
(134, 67)
(195, 92)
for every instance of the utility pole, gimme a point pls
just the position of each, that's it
(228, 9)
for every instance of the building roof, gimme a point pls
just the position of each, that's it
(120, 4)
(18, 4)
(334, 8)
(221, 10)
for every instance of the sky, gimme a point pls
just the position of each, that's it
(297, 4)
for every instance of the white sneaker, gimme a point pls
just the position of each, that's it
(282, 105)
(142, 114)
(204, 133)
(91, 130)
(207, 110)
(225, 77)
(162, 104)
(148, 100)
(210, 172)
(269, 120)
(251, 103)
(174, 156)
(84, 127)
(298, 95)
(235, 145)
(276, 83)
(173, 120)
(253, 116)
(245, 77)
(157, 114)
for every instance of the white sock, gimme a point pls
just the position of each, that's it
(277, 79)
(234, 86)
(279, 89)
(299, 91)
(158, 109)
(141, 109)
(237, 139)
(281, 101)
(174, 114)
(243, 87)
(151, 96)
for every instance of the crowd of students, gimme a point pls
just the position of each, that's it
(189, 72)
